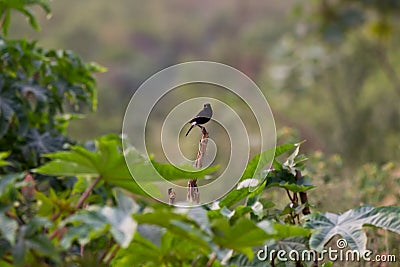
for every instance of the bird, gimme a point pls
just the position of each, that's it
(201, 118)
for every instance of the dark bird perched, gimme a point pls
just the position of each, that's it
(203, 117)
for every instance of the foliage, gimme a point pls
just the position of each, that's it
(35, 85)
(23, 6)
(349, 225)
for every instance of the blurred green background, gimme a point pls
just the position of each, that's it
(329, 69)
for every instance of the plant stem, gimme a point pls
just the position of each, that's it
(112, 255)
(87, 193)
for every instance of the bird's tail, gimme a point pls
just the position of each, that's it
(191, 127)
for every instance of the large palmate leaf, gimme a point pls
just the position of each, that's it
(107, 161)
(349, 225)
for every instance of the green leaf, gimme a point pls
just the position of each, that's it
(234, 197)
(31, 237)
(108, 162)
(286, 180)
(6, 21)
(4, 155)
(170, 172)
(241, 236)
(257, 164)
(280, 231)
(349, 225)
(177, 224)
(7, 182)
(46, 206)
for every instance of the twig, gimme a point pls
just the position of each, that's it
(289, 196)
(87, 192)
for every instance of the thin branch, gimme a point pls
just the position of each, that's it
(289, 196)
(193, 191)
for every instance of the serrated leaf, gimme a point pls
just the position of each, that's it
(108, 162)
(349, 225)
(123, 226)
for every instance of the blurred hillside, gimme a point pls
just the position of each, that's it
(135, 39)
